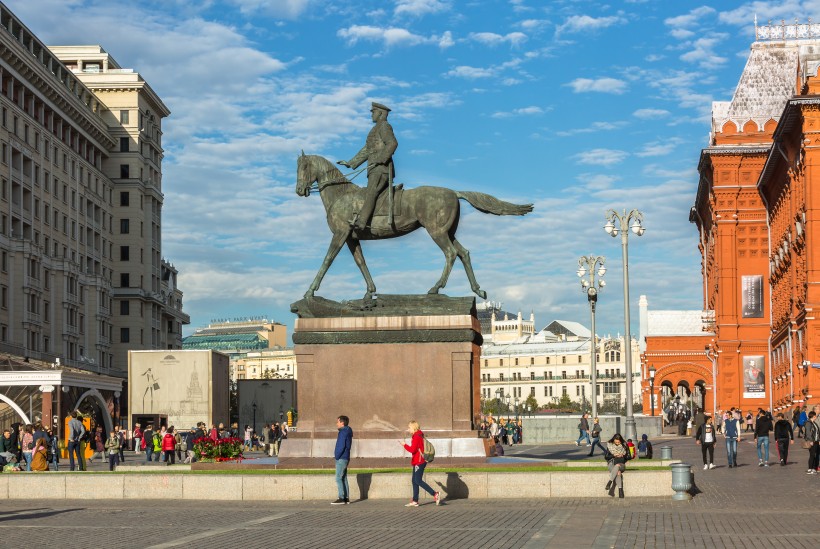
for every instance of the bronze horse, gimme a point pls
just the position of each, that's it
(434, 208)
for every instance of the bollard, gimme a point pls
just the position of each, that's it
(666, 452)
(681, 481)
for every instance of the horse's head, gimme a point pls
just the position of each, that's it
(304, 175)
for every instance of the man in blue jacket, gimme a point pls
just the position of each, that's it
(342, 456)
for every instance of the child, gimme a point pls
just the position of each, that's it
(631, 447)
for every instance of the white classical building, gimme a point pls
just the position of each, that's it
(520, 362)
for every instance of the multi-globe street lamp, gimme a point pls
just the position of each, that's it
(652, 389)
(591, 270)
(622, 224)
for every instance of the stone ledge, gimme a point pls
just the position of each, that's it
(467, 485)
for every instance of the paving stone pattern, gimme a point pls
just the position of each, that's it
(749, 506)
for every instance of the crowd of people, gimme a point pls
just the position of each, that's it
(733, 425)
(501, 432)
(36, 448)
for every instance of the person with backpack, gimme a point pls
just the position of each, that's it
(802, 418)
(645, 447)
(418, 447)
(783, 437)
(113, 444)
(731, 432)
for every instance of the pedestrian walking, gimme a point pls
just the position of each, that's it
(137, 438)
(595, 433)
(783, 437)
(763, 426)
(583, 430)
(731, 432)
(416, 449)
(617, 455)
(706, 437)
(812, 441)
(344, 442)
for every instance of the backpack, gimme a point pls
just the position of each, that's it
(157, 441)
(428, 451)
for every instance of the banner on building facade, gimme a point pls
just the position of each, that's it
(752, 296)
(754, 377)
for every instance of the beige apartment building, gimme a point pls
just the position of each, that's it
(520, 362)
(257, 347)
(82, 277)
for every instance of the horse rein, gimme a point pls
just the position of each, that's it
(345, 179)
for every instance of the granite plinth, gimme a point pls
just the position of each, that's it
(384, 370)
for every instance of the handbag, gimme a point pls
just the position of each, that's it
(807, 444)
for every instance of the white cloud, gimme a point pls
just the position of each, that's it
(650, 114)
(592, 128)
(603, 157)
(391, 36)
(286, 9)
(767, 11)
(420, 7)
(681, 34)
(446, 40)
(464, 71)
(533, 24)
(583, 23)
(525, 111)
(703, 52)
(601, 85)
(493, 39)
(660, 148)
(690, 19)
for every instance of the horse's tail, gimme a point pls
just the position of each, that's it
(491, 205)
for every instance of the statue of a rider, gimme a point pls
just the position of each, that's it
(378, 153)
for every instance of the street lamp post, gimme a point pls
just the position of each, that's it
(617, 223)
(254, 415)
(507, 400)
(591, 270)
(516, 408)
(652, 389)
(712, 356)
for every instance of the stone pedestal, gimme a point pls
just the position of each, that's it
(399, 359)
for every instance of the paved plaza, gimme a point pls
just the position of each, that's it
(749, 506)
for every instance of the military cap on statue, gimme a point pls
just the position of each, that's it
(375, 105)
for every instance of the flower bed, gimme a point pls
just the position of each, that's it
(224, 449)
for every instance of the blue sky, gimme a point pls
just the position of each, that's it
(576, 106)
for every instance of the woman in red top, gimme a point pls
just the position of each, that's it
(416, 447)
(169, 446)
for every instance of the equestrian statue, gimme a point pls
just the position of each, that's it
(381, 211)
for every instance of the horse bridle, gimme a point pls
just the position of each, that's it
(320, 187)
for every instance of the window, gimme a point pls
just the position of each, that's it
(124, 145)
(501, 377)
(501, 362)
(124, 253)
(579, 359)
(4, 297)
(125, 171)
(124, 198)
(123, 117)
(125, 307)
(532, 391)
(563, 374)
(563, 360)
(532, 376)
(532, 361)
(124, 226)
(516, 362)
(548, 360)
(125, 335)
(577, 390)
(563, 389)
(125, 280)
(486, 362)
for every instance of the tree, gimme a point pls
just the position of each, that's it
(531, 402)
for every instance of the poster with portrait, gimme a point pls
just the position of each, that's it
(754, 377)
(752, 296)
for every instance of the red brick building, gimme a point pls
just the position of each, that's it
(758, 217)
